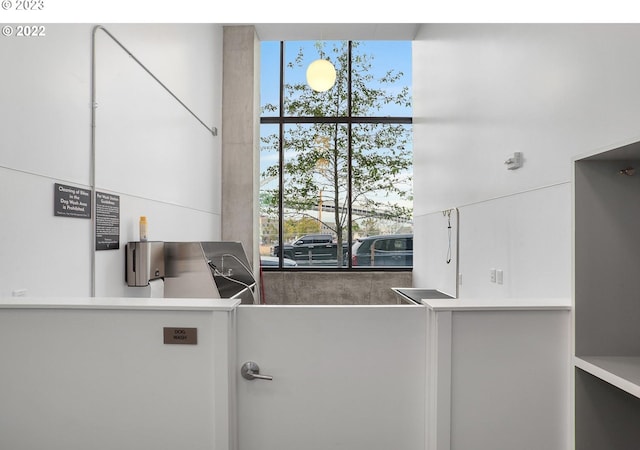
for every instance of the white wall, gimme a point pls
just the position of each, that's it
(149, 150)
(484, 91)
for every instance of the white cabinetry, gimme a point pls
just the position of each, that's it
(607, 299)
(498, 374)
(101, 374)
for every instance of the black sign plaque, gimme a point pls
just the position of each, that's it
(107, 221)
(71, 201)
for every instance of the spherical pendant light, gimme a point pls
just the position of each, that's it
(321, 75)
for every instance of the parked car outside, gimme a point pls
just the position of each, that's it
(273, 261)
(314, 239)
(312, 249)
(383, 250)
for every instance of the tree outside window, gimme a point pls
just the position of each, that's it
(336, 163)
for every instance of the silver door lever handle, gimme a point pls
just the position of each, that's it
(251, 371)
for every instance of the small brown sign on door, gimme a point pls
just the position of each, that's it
(185, 336)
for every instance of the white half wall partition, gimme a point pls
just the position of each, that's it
(102, 374)
(105, 373)
(498, 374)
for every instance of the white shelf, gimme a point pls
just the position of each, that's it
(622, 372)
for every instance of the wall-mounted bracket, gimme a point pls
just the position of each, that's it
(515, 162)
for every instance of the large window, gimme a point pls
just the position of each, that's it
(336, 166)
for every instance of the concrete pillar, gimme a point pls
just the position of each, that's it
(240, 139)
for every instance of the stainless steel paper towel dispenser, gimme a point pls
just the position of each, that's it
(145, 262)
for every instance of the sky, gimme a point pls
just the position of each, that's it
(394, 55)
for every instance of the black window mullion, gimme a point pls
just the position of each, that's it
(281, 162)
(349, 164)
(345, 120)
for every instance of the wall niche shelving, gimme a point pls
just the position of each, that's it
(606, 300)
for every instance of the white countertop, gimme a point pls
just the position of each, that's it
(492, 304)
(175, 304)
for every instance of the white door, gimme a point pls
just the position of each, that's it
(344, 377)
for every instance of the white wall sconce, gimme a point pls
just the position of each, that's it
(321, 75)
(515, 162)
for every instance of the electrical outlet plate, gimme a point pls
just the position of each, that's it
(492, 275)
